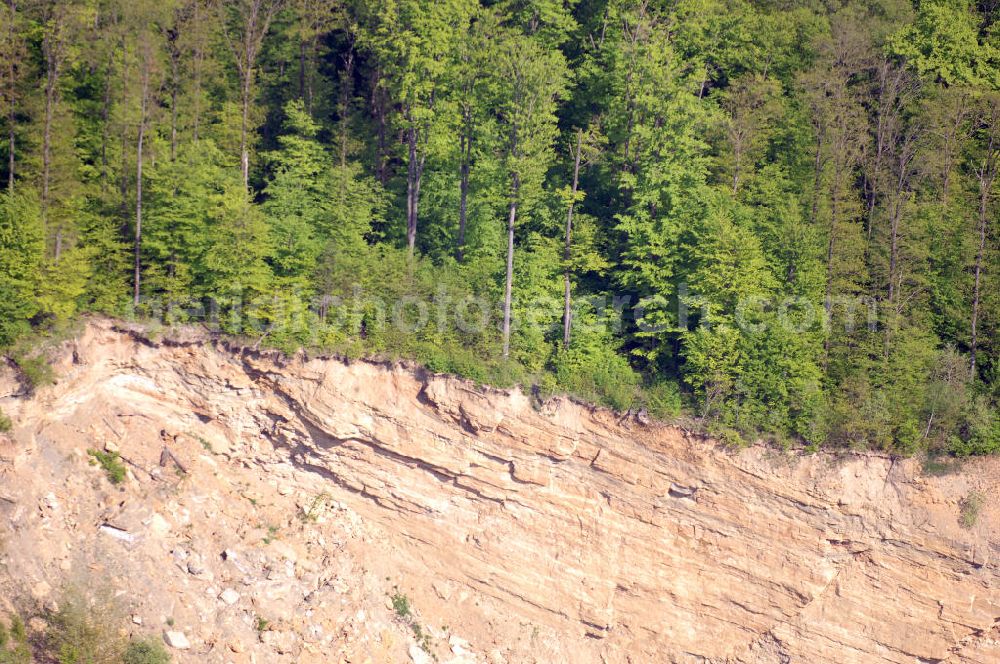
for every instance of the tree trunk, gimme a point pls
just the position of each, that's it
(986, 174)
(978, 278)
(105, 125)
(817, 173)
(414, 174)
(894, 248)
(378, 108)
(256, 16)
(412, 186)
(175, 84)
(11, 81)
(463, 183)
(244, 121)
(302, 70)
(830, 250)
(900, 197)
(311, 72)
(51, 81)
(509, 282)
(737, 157)
(567, 309)
(952, 144)
(123, 170)
(138, 191)
(198, 59)
(10, 148)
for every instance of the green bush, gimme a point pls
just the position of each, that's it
(146, 652)
(663, 400)
(937, 466)
(35, 371)
(598, 374)
(14, 647)
(5, 422)
(111, 463)
(401, 605)
(981, 431)
(726, 435)
(971, 505)
(83, 632)
(458, 361)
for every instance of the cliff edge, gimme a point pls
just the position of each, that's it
(318, 492)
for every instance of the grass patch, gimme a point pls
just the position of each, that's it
(14, 648)
(726, 435)
(971, 506)
(663, 399)
(146, 651)
(81, 631)
(401, 605)
(5, 422)
(111, 463)
(423, 638)
(262, 625)
(35, 371)
(937, 466)
(311, 513)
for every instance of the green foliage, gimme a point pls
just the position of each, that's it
(792, 204)
(401, 605)
(970, 507)
(183, 203)
(5, 422)
(423, 638)
(17, 630)
(84, 632)
(936, 466)
(146, 652)
(592, 368)
(311, 512)
(946, 41)
(21, 252)
(14, 648)
(111, 463)
(35, 370)
(64, 284)
(663, 400)
(296, 197)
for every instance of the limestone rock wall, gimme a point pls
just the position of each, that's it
(633, 543)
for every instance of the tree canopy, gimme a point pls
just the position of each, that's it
(781, 218)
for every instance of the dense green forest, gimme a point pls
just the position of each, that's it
(778, 216)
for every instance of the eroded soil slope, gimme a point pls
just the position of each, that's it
(315, 490)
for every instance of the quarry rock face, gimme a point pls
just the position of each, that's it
(316, 491)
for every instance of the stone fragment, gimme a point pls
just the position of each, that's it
(41, 590)
(229, 596)
(418, 656)
(283, 642)
(176, 640)
(158, 525)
